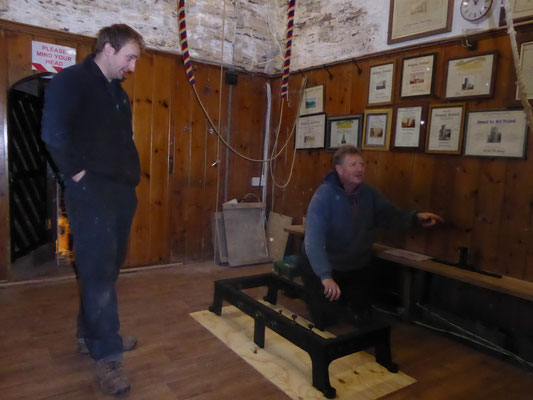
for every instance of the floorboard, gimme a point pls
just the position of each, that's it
(178, 359)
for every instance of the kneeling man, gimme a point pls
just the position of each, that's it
(340, 226)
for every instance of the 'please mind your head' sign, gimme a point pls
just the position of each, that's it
(49, 57)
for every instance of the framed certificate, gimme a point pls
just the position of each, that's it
(526, 64)
(445, 132)
(413, 19)
(380, 84)
(377, 129)
(496, 133)
(522, 11)
(410, 127)
(344, 130)
(313, 101)
(310, 131)
(471, 77)
(418, 74)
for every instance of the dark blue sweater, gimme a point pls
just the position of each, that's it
(339, 237)
(87, 125)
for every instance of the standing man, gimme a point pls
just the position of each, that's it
(340, 226)
(87, 129)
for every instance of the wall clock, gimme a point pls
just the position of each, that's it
(474, 10)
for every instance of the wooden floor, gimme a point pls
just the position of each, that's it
(178, 359)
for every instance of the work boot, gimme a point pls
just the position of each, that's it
(112, 377)
(128, 343)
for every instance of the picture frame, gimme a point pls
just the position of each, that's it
(496, 133)
(380, 84)
(377, 129)
(310, 131)
(410, 128)
(313, 101)
(445, 128)
(344, 129)
(522, 11)
(418, 75)
(410, 20)
(526, 64)
(471, 77)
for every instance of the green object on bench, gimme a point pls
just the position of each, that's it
(288, 267)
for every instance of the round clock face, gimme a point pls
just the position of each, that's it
(473, 10)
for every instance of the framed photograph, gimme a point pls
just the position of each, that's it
(410, 19)
(522, 11)
(418, 74)
(526, 64)
(380, 84)
(498, 133)
(471, 77)
(310, 131)
(344, 130)
(313, 101)
(377, 129)
(445, 132)
(410, 128)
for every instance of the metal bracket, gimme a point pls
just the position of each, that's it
(329, 73)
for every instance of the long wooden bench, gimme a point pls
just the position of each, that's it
(505, 284)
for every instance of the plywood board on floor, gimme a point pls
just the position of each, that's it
(356, 376)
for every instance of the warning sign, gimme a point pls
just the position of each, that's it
(51, 57)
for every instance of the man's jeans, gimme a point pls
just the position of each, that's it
(100, 213)
(357, 294)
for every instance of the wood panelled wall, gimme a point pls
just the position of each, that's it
(487, 202)
(178, 189)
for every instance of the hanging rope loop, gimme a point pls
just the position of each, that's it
(190, 75)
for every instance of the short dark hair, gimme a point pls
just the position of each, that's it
(117, 36)
(338, 157)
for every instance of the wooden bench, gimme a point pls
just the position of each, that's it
(505, 284)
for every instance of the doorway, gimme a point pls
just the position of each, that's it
(32, 184)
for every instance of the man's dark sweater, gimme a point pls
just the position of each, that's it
(340, 226)
(86, 125)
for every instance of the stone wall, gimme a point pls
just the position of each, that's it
(325, 30)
